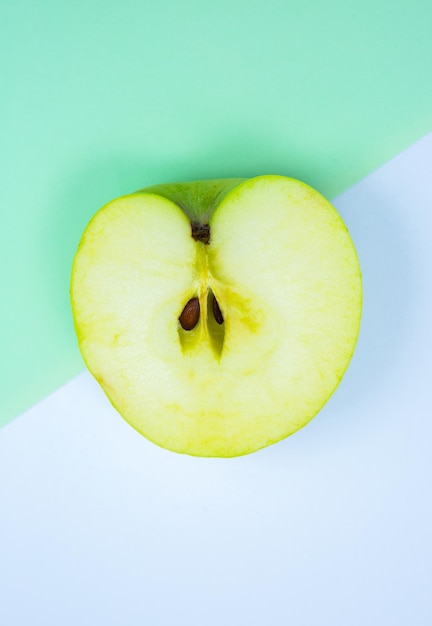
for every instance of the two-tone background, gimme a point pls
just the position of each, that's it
(331, 526)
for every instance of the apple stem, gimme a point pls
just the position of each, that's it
(201, 232)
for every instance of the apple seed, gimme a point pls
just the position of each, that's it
(216, 311)
(190, 314)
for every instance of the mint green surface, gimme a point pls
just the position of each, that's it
(103, 98)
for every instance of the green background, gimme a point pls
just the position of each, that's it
(102, 98)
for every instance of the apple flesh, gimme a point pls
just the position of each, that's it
(218, 316)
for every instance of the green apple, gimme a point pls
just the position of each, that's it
(218, 316)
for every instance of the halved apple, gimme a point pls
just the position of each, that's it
(218, 316)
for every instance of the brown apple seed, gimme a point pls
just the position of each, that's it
(190, 314)
(217, 312)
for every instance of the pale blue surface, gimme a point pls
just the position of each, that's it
(331, 527)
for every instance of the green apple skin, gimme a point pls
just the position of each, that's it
(280, 267)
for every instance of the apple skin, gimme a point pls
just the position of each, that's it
(218, 316)
(197, 199)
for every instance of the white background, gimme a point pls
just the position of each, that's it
(329, 527)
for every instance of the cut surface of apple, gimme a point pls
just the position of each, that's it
(218, 316)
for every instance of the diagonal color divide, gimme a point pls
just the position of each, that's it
(100, 100)
(330, 527)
